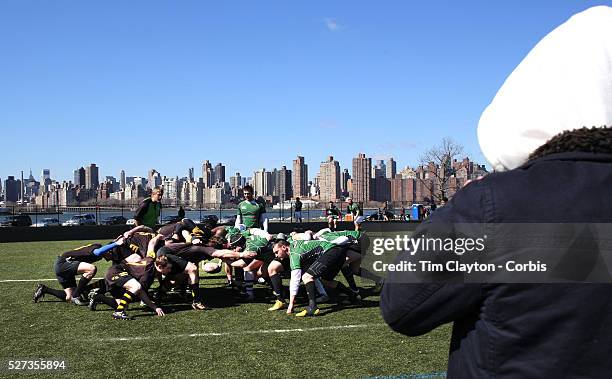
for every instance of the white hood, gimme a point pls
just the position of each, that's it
(564, 83)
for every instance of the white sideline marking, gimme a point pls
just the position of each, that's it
(32, 280)
(263, 331)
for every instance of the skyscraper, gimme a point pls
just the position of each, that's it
(260, 182)
(154, 179)
(300, 177)
(284, 184)
(379, 170)
(362, 169)
(122, 179)
(219, 173)
(208, 174)
(344, 180)
(329, 180)
(92, 180)
(79, 177)
(11, 189)
(45, 179)
(391, 168)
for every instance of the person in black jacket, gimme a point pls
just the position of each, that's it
(560, 174)
(149, 210)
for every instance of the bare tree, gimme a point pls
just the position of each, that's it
(437, 168)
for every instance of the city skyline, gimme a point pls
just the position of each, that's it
(48, 172)
(434, 181)
(161, 85)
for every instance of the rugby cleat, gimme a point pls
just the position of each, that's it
(92, 304)
(79, 301)
(308, 312)
(199, 306)
(278, 305)
(121, 315)
(38, 293)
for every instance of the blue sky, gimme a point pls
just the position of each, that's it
(166, 85)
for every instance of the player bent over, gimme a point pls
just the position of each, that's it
(319, 259)
(129, 281)
(172, 266)
(357, 239)
(72, 263)
(176, 259)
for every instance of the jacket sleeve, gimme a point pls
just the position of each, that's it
(142, 209)
(417, 308)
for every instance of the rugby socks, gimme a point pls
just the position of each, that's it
(100, 283)
(196, 293)
(342, 288)
(249, 281)
(81, 286)
(125, 300)
(238, 275)
(60, 294)
(277, 286)
(350, 279)
(310, 290)
(99, 298)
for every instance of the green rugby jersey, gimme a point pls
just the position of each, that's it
(330, 236)
(255, 244)
(250, 213)
(303, 253)
(333, 211)
(354, 209)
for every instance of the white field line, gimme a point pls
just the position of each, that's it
(262, 331)
(32, 280)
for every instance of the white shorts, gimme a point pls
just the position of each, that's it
(359, 219)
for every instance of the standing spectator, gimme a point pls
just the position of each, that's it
(355, 210)
(298, 210)
(181, 212)
(533, 136)
(150, 209)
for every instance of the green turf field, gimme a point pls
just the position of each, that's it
(231, 340)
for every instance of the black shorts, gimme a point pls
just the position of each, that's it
(117, 275)
(178, 265)
(266, 255)
(286, 264)
(329, 264)
(65, 271)
(358, 245)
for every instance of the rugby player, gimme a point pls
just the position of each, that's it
(355, 251)
(72, 263)
(184, 231)
(128, 281)
(183, 258)
(355, 210)
(251, 213)
(333, 214)
(310, 260)
(259, 255)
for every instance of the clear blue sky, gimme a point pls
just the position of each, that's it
(167, 85)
